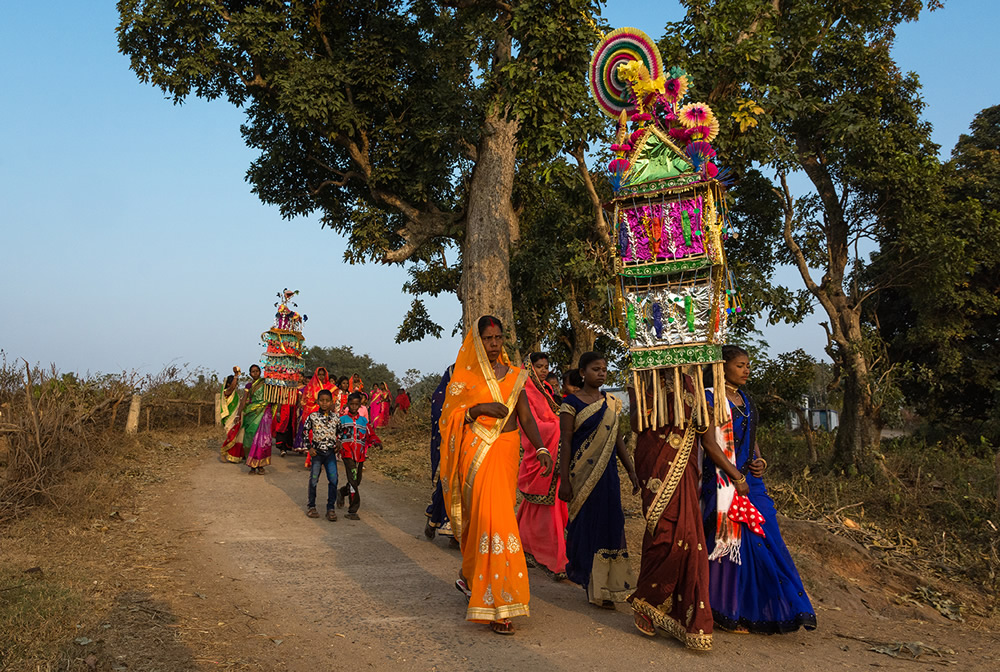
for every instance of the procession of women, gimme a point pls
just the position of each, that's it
(528, 475)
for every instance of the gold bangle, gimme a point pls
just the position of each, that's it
(468, 418)
(742, 479)
(543, 450)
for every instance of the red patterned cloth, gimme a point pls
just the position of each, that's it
(742, 511)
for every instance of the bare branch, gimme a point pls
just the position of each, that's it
(600, 224)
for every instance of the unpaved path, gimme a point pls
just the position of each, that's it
(375, 594)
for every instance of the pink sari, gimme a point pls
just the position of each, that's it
(542, 517)
(378, 409)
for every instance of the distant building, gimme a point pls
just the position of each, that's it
(825, 419)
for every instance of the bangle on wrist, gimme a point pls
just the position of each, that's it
(468, 418)
(543, 450)
(741, 479)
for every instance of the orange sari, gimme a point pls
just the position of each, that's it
(478, 478)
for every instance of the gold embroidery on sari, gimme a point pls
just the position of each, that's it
(661, 619)
(600, 444)
(670, 483)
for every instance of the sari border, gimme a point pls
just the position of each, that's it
(488, 438)
(671, 481)
(496, 613)
(695, 642)
(579, 498)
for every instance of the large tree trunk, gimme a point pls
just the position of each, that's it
(860, 427)
(583, 337)
(491, 227)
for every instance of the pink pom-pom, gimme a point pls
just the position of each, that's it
(711, 169)
(679, 134)
(618, 166)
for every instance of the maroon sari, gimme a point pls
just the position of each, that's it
(672, 591)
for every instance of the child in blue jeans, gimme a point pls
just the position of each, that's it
(321, 434)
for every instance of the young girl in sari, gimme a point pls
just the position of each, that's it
(753, 583)
(256, 419)
(480, 448)
(672, 589)
(590, 439)
(232, 447)
(542, 517)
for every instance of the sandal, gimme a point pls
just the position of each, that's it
(331, 515)
(607, 604)
(463, 588)
(643, 624)
(312, 513)
(504, 627)
(429, 531)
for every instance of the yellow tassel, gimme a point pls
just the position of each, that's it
(655, 424)
(640, 398)
(678, 399)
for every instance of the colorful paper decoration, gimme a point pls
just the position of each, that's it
(282, 359)
(673, 293)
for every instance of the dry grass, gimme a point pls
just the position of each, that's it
(931, 512)
(75, 581)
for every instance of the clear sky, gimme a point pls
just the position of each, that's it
(130, 239)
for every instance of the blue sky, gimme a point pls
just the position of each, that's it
(130, 239)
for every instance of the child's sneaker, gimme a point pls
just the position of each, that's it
(331, 515)
(352, 516)
(312, 513)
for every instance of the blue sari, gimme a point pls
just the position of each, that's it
(763, 593)
(595, 537)
(436, 511)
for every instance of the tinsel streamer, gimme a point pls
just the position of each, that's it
(686, 226)
(603, 331)
(689, 311)
(620, 313)
(631, 321)
(658, 319)
(623, 238)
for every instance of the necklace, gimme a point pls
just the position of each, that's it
(741, 408)
(732, 388)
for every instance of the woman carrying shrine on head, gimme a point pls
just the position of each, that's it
(672, 589)
(753, 583)
(542, 516)
(480, 449)
(590, 439)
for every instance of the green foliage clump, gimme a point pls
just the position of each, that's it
(343, 361)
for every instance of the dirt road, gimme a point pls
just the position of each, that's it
(293, 593)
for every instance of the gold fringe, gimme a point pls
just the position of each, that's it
(701, 403)
(679, 419)
(641, 399)
(656, 407)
